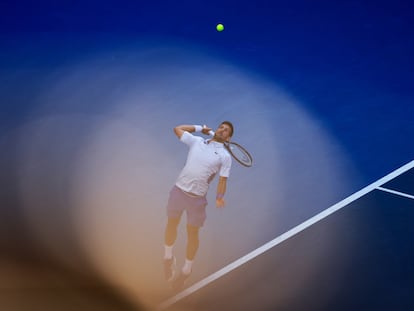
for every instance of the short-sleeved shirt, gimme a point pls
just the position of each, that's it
(205, 159)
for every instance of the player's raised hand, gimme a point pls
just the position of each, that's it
(206, 130)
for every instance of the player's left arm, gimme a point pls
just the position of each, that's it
(221, 190)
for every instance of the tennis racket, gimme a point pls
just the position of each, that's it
(238, 152)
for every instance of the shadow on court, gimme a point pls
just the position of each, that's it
(28, 285)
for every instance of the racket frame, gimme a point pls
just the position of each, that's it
(227, 146)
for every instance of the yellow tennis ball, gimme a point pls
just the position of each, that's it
(220, 27)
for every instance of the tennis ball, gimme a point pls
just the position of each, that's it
(220, 27)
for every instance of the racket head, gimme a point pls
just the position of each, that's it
(239, 153)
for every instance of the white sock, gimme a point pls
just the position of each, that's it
(168, 251)
(187, 266)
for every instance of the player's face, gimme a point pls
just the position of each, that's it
(223, 132)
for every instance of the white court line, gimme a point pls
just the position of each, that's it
(406, 195)
(212, 277)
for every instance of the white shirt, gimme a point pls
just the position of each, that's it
(205, 158)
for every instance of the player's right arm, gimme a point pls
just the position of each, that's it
(180, 129)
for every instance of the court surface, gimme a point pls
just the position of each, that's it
(366, 265)
(321, 95)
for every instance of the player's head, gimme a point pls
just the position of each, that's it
(224, 131)
(230, 125)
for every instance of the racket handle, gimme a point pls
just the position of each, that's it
(210, 132)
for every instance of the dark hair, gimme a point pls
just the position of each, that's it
(230, 125)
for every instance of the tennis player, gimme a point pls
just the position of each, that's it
(206, 158)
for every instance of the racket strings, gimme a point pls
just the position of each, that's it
(240, 154)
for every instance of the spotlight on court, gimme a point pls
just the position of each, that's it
(99, 158)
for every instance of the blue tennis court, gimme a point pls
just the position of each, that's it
(320, 93)
(366, 265)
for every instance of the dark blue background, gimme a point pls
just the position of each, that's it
(349, 62)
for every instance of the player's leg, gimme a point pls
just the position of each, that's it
(196, 216)
(170, 235)
(169, 240)
(174, 212)
(193, 243)
(192, 247)
(175, 207)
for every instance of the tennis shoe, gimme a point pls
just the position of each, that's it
(179, 282)
(169, 268)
